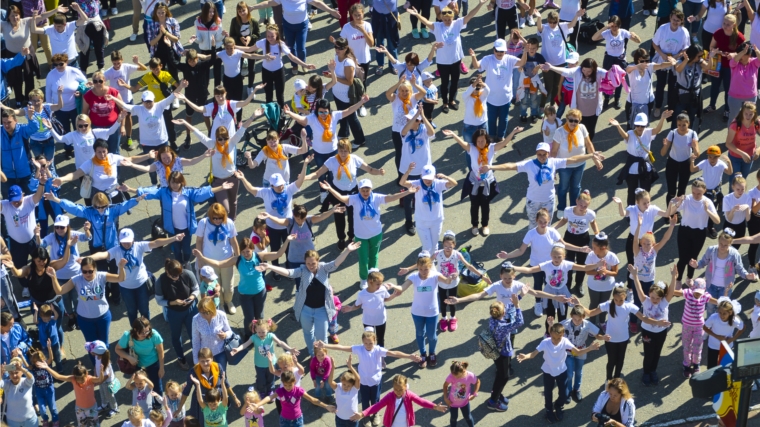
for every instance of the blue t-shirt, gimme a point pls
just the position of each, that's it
(47, 330)
(251, 280)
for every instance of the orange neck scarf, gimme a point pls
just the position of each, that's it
(168, 169)
(478, 104)
(572, 140)
(343, 165)
(223, 150)
(482, 155)
(202, 378)
(275, 155)
(406, 103)
(104, 163)
(327, 135)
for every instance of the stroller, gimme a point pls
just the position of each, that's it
(256, 134)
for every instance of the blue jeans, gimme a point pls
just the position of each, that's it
(253, 308)
(322, 389)
(426, 326)
(70, 301)
(95, 329)
(466, 415)
(469, 130)
(574, 373)
(531, 100)
(31, 422)
(314, 324)
(723, 79)
(298, 422)
(295, 38)
(369, 394)
(114, 140)
(136, 299)
(182, 250)
(221, 359)
(46, 400)
(339, 422)
(178, 319)
(264, 382)
(152, 372)
(68, 119)
(386, 34)
(497, 120)
(739, 166)
(56, 353)
(569, 180)
(716, 292)
(46, 148)
(145, 150)
(689, 9)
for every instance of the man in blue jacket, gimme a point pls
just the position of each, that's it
(7, 65)
(15, 156)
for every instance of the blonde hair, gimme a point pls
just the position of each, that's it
(585, 196)
(135, 412)
(621, 386)
(253, 395)
(497, 309)
(375, 275)
(38, 93)
(739, 179)
(84, 118)
(207, 304)
(100, 199)
(171, 385)
(647, 236)
(344, 143)
(217, 209)
(101, 75)
(575, 113)
(559, 249)
(157, 417)
(285, 360)
(369, 335)
(407, 85)
(424, 262)
(400, 380)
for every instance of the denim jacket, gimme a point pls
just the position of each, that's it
(194, 195)
(733, 265)
(98, 221)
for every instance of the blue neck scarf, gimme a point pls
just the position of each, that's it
(368, 208)
(280, 202)
(431, 196)
(129, 255)
(412, 139)
(544, 173)
(61, 244)
(219, 234)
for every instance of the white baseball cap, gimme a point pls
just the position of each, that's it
(208, 272)
(500, 45)
(126, 236)
(148, 96)
(61, 221)
(544, 147)
(428, 172)
(427, 76)
(299, 84)
(573, 58)
(365, 183)
(276, 180)
(641, 120)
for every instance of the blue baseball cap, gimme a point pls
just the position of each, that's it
(15, 194)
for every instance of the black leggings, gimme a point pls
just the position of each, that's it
(251, 71)
(168, 58)
(340, 218)
(398, 144)
(379, 333)
(552, 311)
(501, 378)
(449, 81)
(350, 121)
(677, 177)
(423, 7)
(234, 86)
(217, 65)
(98, 43)
(505, 19)
(275, 82)
(712, 358)
(551, 81)
(615, 358)
(717, 199)
(576, 257)
(753, 227)
(20, 79)
(480, 202)
(590, 123)
(690, 242)
(653, 343)
(442, 295)
(635, 181)
(664, 77)
(740, 229)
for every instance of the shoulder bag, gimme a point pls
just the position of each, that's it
(85, 188)
(124, 365)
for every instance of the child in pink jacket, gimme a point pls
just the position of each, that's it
(392, 400)
(332, 327)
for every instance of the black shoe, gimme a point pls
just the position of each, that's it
(713, 233)
(581, 292)
(559, 413)
(533, 119)
(567, 401)
(445, 108)
(606, 102)
(524, 119)
(174, 146)
(575, 395)
(69, 154)
(411, 230)
(186, 145)
(454, 106)
(617, 104)
(725, 116)
(549, 415)
(341, 245)
(72, 323)
(276, 277)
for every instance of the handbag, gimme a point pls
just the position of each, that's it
(230, 344)
(85, 189)
(124, 365)
(114, 385)
(569, 48)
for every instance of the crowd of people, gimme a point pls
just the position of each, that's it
(99, 117)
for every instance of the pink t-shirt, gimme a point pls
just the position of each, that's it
(459, 389)
(254, 419)
(744, 139)
(743, 79)
(291, 402)
(694, 308)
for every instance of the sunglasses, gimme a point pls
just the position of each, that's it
(217, 218)
(97, 81)
(340, 48)
(88, 271)
(100, 207)
(83, 126)
(221, 138)
(323, 113)
(573, 121)
(448, 12)
(59, 64)
(204, 312)
(639, 126)
(60, 227)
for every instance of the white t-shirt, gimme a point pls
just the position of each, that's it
(754, 193)
(269, 197)
(755, 317)
(222, 249)
(63, 42)
(600, 282)
(373, 306)
(636, 146)
(222, 118)
(718, 277)
(693, 212)
(278, 50)
(505, 294)
(179, 210)
(647, 221)
(340, 90)
(554, 355)
(730, 201)
(680, 147)
(231, 62)
(399, 116)
(451, 52)
(469, 106)
(294, 11)
(556, 275)
(344, 183)
(69, 79)
(722, 329)
(655, 312)
(72, 268)
(415, 150)
(137, 274)
(370, 364)
(541, 244)
(670, 42)
(448, 266)
(553, 45)
(271, 166)
(20, 222)
(153, 122)
(425, 208)
(560, 137)
(113, 76)
(475, 156)
(357, 42)
(499, 78)
(317, 129)
(615, 44)
(425, 299)
(400, 420)
(544, 191)
(617, 326)
(101, 180)
(713, 175)
(577, 224)
(714, 19)
(641, 86)
(568, 9)
(367, 218)
(551, 128)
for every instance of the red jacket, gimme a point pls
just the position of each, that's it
(389, 402)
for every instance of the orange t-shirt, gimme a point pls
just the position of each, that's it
(84, 393)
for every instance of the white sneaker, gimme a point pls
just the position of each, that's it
(355, 146)
(538, 310)
(25, 293)
(655, 12)
(114, 11)
(522, 23)
(133, 37)
(175, 104)
(231, 309)
(529, 20)
(560, 214)
(362, 111)
(322, 196)
(363, 284)
(310, 25)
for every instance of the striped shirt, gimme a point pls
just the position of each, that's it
(323, 274)
(694, 308)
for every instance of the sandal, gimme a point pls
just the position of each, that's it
(454, 106)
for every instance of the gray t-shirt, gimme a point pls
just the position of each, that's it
(578, 335)
(303, 242)
(144, 398)
(92, 295)
(18, 399)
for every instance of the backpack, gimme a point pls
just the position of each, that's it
(588, 29)
(357, 89)
(229, 110)
(487, 344)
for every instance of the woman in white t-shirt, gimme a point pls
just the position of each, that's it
(680, 145)
(580, 220)
(616, 41)
(404, 104)
(640, 98)
(345, 72)
(696, 212)
(415, 157)
(569, 140)
(638, 171)
(669, 41)
(343, 169)
(359, 35)
(425, 308)
(429, 204)
(272, 70)
(449, 52)
(215, 238)
(715, 10)
(555, 36)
